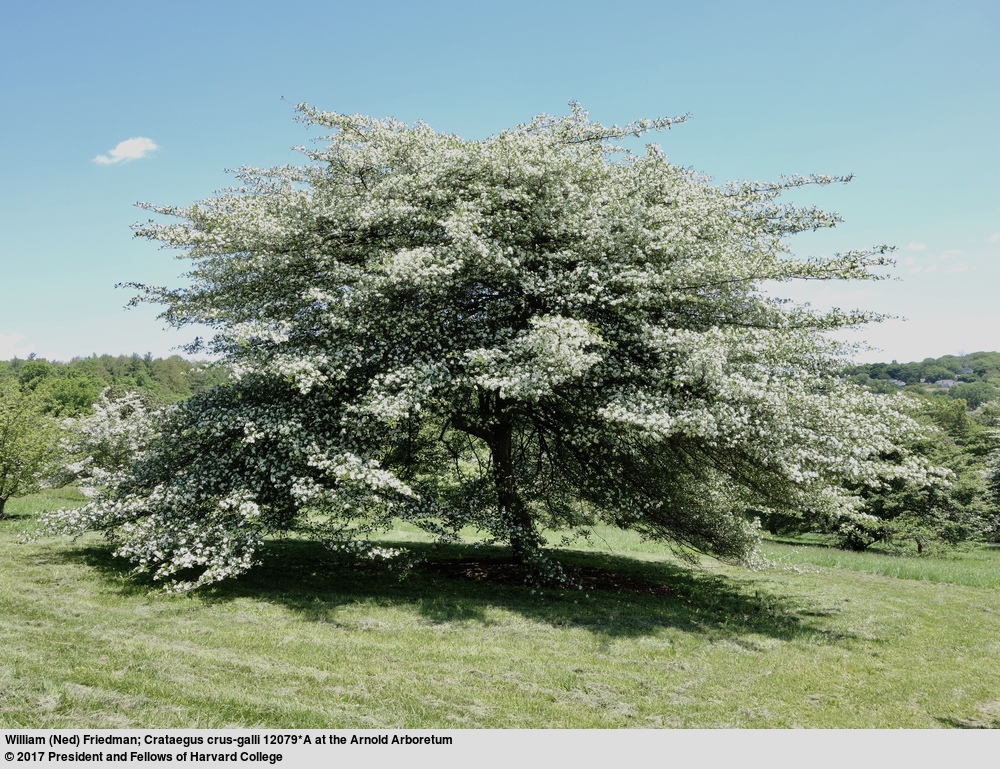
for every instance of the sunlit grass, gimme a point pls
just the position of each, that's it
(975, 566)
(44, 501)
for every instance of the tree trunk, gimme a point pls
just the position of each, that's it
(3, 503)
(513, 511)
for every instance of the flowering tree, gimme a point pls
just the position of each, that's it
(535, 330)
(101, 447)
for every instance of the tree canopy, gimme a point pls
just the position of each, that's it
(539, 329)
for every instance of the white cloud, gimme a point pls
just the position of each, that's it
(995, 237)
(951, 252)
(958, 268)
(908, 261)
(932, 268)
(130, 149)
(914, 246)
(10, 346)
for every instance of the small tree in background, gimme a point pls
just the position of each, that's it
(102, 446)
(989, 416)
(28, 441)
(951, 505)
(535, 330)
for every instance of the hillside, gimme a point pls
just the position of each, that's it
(973, 377)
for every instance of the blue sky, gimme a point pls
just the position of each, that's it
(904, 95)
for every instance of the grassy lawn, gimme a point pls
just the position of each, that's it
(823, 638)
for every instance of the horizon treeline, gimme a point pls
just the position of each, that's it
(70, 388)
(972, 377)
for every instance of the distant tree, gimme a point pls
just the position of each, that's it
(101, 446)
(935, 373)
(27, 443)
(953, 363)
(33, 372)
(986, 365)
(534, 330)
(881, 386)
(974, 393)
(69, 394)
(948, 507)
(171, 377)
(992, 478)
(911, 373)
(69, 389)
(974, 369)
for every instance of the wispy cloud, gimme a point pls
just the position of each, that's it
(130, 149)
(10, 346)
(951, 253)
(914, 246)
(995, 237)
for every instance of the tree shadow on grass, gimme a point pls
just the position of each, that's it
(620, 596)
(797, 541)
(967, 723)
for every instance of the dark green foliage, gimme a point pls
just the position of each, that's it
(33, 373)
(935, 373)
(69, 395)
(975, 394)
(985, 364)
(955, 510)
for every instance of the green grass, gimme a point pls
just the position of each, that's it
(977, 566)
(26, 508)
(821, 639)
